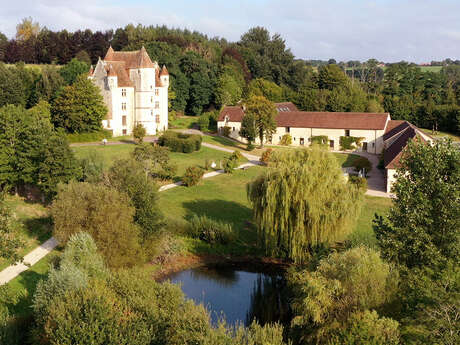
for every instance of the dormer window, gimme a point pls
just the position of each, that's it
(123, 92)
(226, 118)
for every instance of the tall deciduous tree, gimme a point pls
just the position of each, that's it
(264, 112)
(248, 128)
(302, 201)
(27, 29)
(105, 214)
(79, 107)
(423, 226)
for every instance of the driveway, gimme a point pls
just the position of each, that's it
(376, 184)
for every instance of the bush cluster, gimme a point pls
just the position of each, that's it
(192, 176)
(226, 131)
(210, 230)
(362, 163)
(360, 182)
(286, 140)
(350, 143)
(319, 139)
(180, 142)
(265, 158)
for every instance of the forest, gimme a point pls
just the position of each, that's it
(208, 73)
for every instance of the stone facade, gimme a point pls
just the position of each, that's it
(134, 89)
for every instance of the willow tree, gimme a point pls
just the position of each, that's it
(303, 201)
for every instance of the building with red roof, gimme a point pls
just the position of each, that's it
(134, 89)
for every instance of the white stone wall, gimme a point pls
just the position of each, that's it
(115, 124)
(374, 138)
(390, 179)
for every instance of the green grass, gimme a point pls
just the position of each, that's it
(111, 153)
(363, 232)
(20, 290)
(439, 134)
(224, 198)
(33, 223)
(346, 159)
(183, 122)
(436, 69)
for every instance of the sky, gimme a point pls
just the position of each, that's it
(388, 30)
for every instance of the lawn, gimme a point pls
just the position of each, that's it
(111, 153)
(183, 122)
(19, 292)
(33, 222)
(224, 198)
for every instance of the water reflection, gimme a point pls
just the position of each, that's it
(239, 295)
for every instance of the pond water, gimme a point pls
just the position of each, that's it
(238, 295)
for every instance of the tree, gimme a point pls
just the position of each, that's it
(248, 128)
(83, 56)
(263, 111)
(105, 213)
(139, 132)
(342, 290)
(32, 152)
(422, 228)
(27, 29)
(128, 176)
(228, 91)
(9, 239)
(331, 77)
(48, 84)
(155, 160)
(72, 70)
(11, 87)
(265, 88)
(302, 201)
(79, 107)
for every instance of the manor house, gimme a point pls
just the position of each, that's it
(377, 131)
(135, 90)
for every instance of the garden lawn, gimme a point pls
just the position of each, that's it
(19, 292)
(183, 122)
(33, 222)
(110, 153)
(363, 232)
(224, 198)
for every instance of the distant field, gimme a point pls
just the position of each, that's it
(440, 134)
(422, 68)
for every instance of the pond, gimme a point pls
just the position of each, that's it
(237, 294)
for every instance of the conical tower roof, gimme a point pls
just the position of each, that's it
(164, 71)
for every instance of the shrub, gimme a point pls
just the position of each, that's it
(265, 158)
(210, 231)
(360, 182)
(226, 131)
(139, 132)
(350, 143)
(230, 164)
(250, 146)
(381, 164)
(203, 122)
(344, 283)
(321, 140)
(192, 176)
(92, 167)
(362, 163)
(89, 137)
(180, 142)
(286, 140)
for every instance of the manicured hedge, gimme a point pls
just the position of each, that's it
(180, 142)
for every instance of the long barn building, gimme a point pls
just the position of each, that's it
(379, 133)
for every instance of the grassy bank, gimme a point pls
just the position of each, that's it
(111, 153)
(32, 221)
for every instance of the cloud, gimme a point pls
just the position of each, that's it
(389, 30)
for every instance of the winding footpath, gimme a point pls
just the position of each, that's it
(376, 187)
